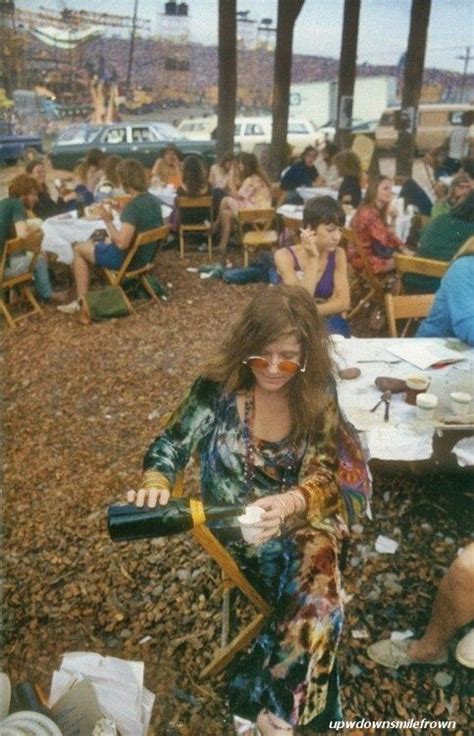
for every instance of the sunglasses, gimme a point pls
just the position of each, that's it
(290, 367)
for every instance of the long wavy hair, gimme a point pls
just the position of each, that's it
(251, 166)
(194, 175)
(371, 195)
(273, 313)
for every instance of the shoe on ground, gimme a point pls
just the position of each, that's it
(394, 654)
(465, 650)
(70, 308)
(243, 727)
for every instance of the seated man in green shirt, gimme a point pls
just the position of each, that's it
(142, 213)
(440, 241)
(22, 196)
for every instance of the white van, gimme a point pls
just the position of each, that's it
(252, 134)
(435, 123)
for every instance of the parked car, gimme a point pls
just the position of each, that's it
(12, 146)
(434, 124)
(143, 141)
(253, 134)
(328, 130)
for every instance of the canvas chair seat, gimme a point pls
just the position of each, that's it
(21, 281)
(205, 227)
(131, 268)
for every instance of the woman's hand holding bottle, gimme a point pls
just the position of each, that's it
(154, 490)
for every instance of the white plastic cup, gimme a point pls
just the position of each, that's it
(249, 523)
(460, 402)
(425, 406)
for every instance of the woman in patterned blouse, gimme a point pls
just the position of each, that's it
(371, 226)
(264, 419)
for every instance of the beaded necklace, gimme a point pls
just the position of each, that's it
(289, 459)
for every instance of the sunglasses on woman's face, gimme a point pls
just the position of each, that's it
(290, 367)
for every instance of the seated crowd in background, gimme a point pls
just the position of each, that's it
(142, 213)
(440, 240)
(167, 169)
(301, 173)
(254, 193)
(15, 210)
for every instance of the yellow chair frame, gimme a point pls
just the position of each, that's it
(22, 281)
(262, 234)
(117, 278)
(406, 307)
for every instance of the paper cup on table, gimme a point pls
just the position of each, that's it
(249, 523)
(415, 385)
(460, 402)
(425, 406)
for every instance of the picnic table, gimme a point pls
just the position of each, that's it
(404, 437)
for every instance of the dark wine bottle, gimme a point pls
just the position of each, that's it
(126, 522)
(27, 696)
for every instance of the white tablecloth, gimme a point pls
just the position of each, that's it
(165, 195)
(403, 437)
(62, 231)
(307, 193)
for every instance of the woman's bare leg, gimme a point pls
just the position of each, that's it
(270, 725)
(83, 257)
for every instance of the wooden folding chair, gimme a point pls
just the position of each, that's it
(22, 282)
(261, 234)
(130, 271)
(423, 266)
(232, 577)
(365, 281)
(192, 203)
(407, 307)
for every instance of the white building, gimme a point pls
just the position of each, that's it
(317, 101)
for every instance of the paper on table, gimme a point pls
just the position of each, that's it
(424, 354)
(389, 443)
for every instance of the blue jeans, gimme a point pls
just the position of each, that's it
(20, 263)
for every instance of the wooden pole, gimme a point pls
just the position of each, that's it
(288, 11)
(347, 72)
(412, 83)
(227, 82)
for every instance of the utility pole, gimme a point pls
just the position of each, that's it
(466, 58)
(131, 48)
(412, 82)
(347, 72)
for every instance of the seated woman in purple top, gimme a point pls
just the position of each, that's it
(318, 263)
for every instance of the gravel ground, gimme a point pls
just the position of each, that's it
(80, 406)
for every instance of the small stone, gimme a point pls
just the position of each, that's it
(357, 528)
(354, 561)
(355, 671)
(125, 634)
(443, 679)
(184, 575)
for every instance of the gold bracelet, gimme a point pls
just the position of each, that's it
(155, 479)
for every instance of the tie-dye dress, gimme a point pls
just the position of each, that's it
(289, 669)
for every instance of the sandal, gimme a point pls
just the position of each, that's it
(395, 654)
(243, 727)
(465, 650)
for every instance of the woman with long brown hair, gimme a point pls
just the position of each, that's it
(254, 194)
(371, 225)
(264, 418)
